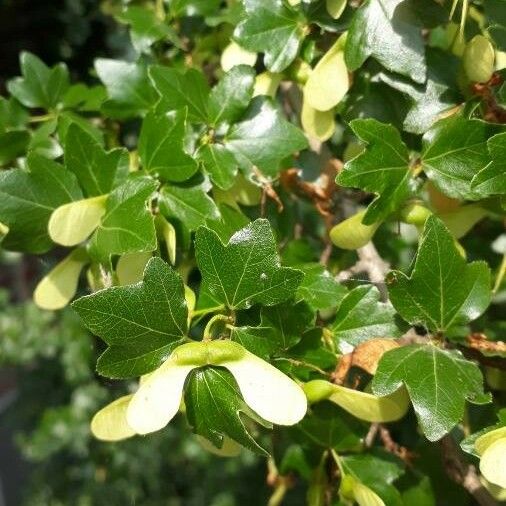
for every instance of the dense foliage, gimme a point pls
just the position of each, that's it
(285, 220)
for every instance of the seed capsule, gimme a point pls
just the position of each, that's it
(479, 57)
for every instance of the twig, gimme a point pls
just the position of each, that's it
(463, 473)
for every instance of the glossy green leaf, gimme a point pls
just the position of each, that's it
(161, 147)
(491, 180)
(219, 163)
(141, 323)
(381, 168)
(361, 316)
(27, 199)
(263, 138)
(127, 224)
(191, 205)
(319, 288)
(438, 383)
(214, 407)
(273, 29)
(96, 169)
(247, 270)
(40, 85)
(455, 150)
(178, 90)
(442, 290)
(231, 96)
(128, 88)
(379, 28)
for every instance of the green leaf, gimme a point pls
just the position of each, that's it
(263, 138)
(381, 168)
(245, 271)
(430, 100)
(214, 406)
(319, 288)
(190, 204)
(97, 170)
(161, 147)
(27, 200)
(379, 29)
(13, 144)
(273, 29)
(128, 88)
(361, 316)
(443, 290)
(127, 224)
(455, 149)
(179, 90)
(231, 96)
(328, 426)
(145, 27)
(141, 323)
(219, 163)
(491, 180)
(40, 85)
(438, 381)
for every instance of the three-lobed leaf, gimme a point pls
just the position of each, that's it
(141, 323)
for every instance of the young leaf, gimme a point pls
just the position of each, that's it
(145, 27)
(161, 147)
(219, 163)
(438, 382)
(361, 316)
(245, 271)
(378, 29)
(455, 149)
(141, 323)
(28, 198)
(97, 170)
(214, 406)
(40, 85)
(189, 204)
(381, 168)
(179, 90)
(443, 290)
(273, 29)
(231, 96)
(128, 88)
(127, 224)
(263, 138)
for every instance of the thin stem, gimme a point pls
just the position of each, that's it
(500, 275)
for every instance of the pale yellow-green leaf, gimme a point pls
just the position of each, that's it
(191, 301)
(266, 83)
(352, 233)
(110, 424)
(317, 124)
(243, 192)
(267, 391)
(329, 81)
(335, 7)
(234, 55)
(72, 223)
(484, 441)
(493, 463)
(462, 219)
(478, 59)
(167, 232)
(58, 287)
(498, 493)
(157, 401)
(369, 407)
(229, 447)
(130, 267)
(365, 496)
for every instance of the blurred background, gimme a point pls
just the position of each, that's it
(48, 389)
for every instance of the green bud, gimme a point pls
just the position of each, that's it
(352, 233)
(415, 214)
